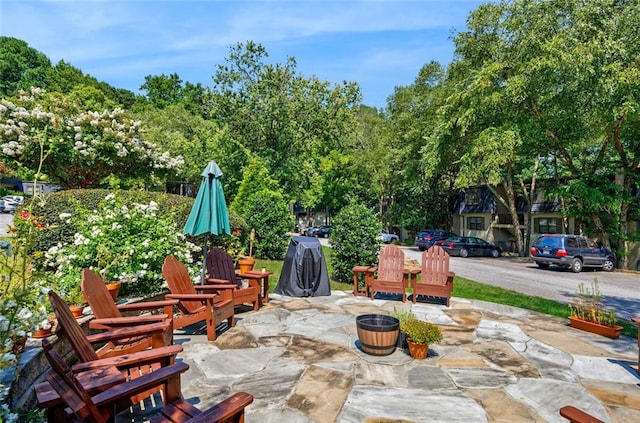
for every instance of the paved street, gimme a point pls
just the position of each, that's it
(5, 220)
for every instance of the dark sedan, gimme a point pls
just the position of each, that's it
(465, 246)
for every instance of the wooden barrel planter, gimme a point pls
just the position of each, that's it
(377, 333)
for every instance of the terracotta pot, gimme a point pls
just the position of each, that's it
(612, 332)
(246, 264)
(43, 333)
(418, 351)
(377, 333)
(19, 344)
(76, 310)
(113, 288)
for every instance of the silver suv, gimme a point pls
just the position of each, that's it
(570, 251)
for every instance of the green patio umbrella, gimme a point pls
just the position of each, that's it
(209, 214)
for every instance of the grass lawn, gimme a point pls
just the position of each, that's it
(463, 288)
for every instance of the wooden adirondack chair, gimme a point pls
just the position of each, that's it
(212, 307)
(82, 406)
(221, 271)
(109, 315)
(389, 275)
(435, 278)
(131, 365)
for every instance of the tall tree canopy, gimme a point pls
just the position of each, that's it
(286, 119)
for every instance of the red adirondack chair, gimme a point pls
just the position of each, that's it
(221, 271)
(389, 275)
(102, 407)
(436, 280)
(130, 365)
(109, 315)
(194, 304)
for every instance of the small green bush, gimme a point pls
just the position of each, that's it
(268, 213)
(354, 240)
(421, 332)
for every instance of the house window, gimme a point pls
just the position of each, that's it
(476, 223)
(472, 197)
(548, 225)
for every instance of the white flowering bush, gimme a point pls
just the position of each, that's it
(22, 295)
(122, 242)
(81, 148)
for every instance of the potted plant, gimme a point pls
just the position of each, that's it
(588, 312)
(420, 335)
(402, 315)
(75, 299)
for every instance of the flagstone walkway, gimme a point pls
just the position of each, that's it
(300, 359)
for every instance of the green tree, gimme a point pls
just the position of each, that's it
(81, 148)
(561, 78)
(187, 135)
(267, 212)
(20, 66)
(287, 120)
(354, 240)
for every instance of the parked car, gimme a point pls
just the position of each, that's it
(465, 246)
(323, 231)
(388, 238)
(570, 251)
(7, 205)
(310, 231)
(425, 239)
(17, 198)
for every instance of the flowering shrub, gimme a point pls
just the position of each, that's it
(234, 245)
(22, 295)
(127, 243)
(82, 147)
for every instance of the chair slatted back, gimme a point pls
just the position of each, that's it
(435, 266)
(220, 265)
(97, 295)
(71, 330)
(65, 383)
(179, 282)
(391, 263)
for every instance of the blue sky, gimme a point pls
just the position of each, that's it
(380, 44)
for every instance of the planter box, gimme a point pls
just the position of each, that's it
(612, 332)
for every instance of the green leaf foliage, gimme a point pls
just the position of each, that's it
(61, 202)
(268, 213)
(354, 240)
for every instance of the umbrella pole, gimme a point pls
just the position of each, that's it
(204, 258)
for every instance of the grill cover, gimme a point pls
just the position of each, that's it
(304, 271)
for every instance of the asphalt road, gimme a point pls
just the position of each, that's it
(621, 290)
(5, 220)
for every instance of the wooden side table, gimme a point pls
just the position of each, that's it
(263, 277)
(357, 271)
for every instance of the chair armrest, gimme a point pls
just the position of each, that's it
(112, 322)
(225, 286)
(166, 354)
(192, 297)
(140, 384)
(128, 332)
(218, 281)
(223, 411)
(575, 415)
(215, 287)
(147, 305)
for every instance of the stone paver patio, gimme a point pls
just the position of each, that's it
(299, 357)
